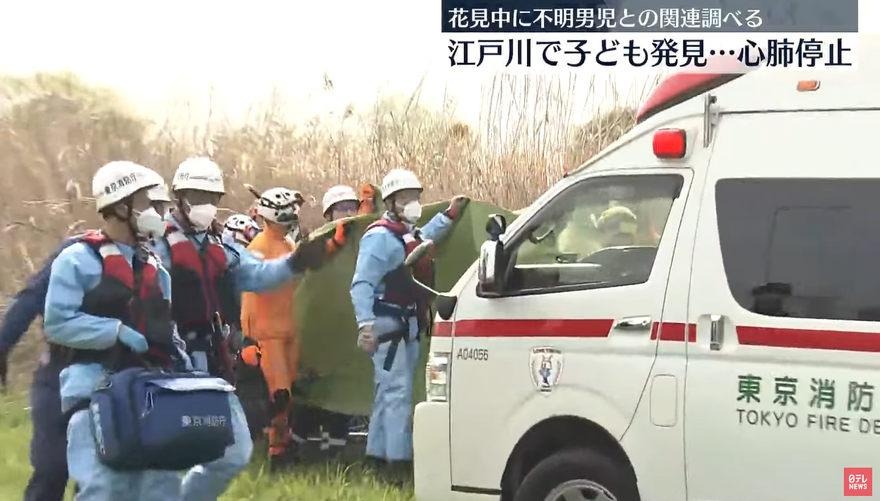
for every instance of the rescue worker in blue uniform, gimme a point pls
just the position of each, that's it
(391, 311)
(48, 454)
(107, 308)
(207, 276)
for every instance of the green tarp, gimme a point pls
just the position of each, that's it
(325, 318)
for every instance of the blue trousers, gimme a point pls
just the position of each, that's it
(49, 441)
(208, 482)
(390, 433)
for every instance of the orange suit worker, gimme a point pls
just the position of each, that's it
(268, 317)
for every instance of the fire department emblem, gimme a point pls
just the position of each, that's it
(545, 365)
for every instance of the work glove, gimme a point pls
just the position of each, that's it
(343, 229)
(309, 254)
(133, 339)
(367, 339)
(251, 355)
(4, 368)
(456, 206)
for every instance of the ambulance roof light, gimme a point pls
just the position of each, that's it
(808, 85)
(682, 86)
(670, 143)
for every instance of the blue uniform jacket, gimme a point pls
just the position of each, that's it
(381, 252)
(248, 273)
(76, 271)
(28, 303)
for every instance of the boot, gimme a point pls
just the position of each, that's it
(282, 448)
(375, 465)
(399, 473)
(284, 458)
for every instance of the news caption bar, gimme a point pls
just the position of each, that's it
(737, 16)
(659, 52)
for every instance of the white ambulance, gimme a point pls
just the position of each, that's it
(692, 315)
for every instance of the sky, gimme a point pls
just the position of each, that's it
(166, 53)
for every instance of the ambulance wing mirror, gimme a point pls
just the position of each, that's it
(496, 226)
(444, 303)
(417, 253)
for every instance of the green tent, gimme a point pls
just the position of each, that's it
(325, 318)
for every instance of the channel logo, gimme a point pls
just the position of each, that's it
(857, 482)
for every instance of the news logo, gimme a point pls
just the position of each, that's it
(857, 482)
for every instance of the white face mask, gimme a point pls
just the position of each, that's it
(150, 224)
(201, 216)
(411, 212)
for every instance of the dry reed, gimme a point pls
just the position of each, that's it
(55, 131)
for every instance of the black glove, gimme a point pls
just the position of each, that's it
(4, 368)
(309, 254)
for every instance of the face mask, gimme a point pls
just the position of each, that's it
(150, 224)
(201, 216)
(412, 211)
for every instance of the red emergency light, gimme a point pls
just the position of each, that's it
(670, 143)
(680, 87)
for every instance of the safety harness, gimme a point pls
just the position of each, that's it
(403, 298)
(130, 293)
(204, 297)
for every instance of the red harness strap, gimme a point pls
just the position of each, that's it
(207, 268)
(117, 269)
(423, 270)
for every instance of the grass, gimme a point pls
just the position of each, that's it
(315, 483)
(56, 130)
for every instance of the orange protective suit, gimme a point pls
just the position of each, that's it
(267, 318)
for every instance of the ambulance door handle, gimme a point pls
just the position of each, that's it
(716, 332)
(634, 323)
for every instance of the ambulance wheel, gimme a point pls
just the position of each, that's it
(578, 474)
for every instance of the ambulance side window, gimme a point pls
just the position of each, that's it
(601, 232)
(804, 248)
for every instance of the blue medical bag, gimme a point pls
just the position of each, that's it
(158, 420)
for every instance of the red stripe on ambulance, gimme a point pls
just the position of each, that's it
(674, 331)
(809, 339)
(591, 328)
(587, 328)
(442, 329)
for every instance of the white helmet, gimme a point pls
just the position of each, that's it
(399, 180)
(280, 205)
(160, 194)
(240, 222)
(338, 194)
(241, 228)
(200, 174)
(117, 181)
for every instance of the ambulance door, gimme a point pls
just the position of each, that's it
(785, 296)
(572, 329)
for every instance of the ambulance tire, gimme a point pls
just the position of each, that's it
(578, 464)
